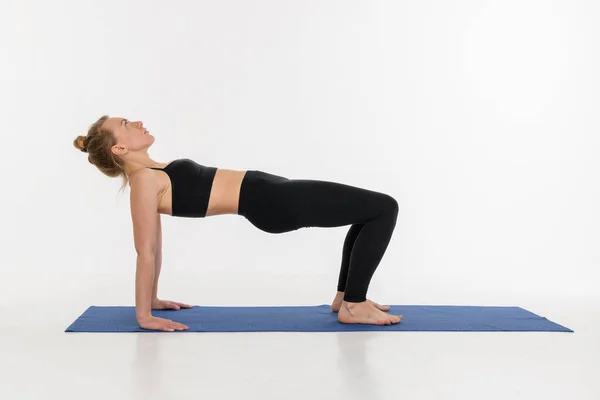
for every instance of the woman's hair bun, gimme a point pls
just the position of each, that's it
(79, 143)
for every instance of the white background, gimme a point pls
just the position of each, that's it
(479, 117)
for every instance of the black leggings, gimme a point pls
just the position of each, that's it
(276, 204)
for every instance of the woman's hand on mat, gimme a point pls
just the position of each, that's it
(161, 324)
(168, 305)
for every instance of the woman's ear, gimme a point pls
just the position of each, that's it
(118, 150)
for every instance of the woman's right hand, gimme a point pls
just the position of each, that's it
(161, 324)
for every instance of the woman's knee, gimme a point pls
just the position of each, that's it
(390, 205)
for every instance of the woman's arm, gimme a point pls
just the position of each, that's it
(144, 208)
(157, 258)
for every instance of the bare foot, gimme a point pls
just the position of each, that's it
(365, 313)
(339, 298)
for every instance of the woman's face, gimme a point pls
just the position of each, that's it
(130, 136)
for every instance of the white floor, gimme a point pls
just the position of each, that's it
(40, 361)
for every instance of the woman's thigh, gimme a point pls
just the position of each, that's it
(277, 204)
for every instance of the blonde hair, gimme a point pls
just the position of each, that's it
(98, 144)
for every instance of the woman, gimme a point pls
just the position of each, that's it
(274, 204)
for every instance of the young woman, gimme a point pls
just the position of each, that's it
(272, 203)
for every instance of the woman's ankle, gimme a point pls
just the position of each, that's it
(352, 304)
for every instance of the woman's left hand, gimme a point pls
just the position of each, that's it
(168, 305)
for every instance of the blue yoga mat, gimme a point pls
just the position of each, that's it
(319, 319)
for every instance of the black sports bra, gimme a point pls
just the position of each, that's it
(191, 184)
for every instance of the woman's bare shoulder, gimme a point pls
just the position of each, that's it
(144, 181)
